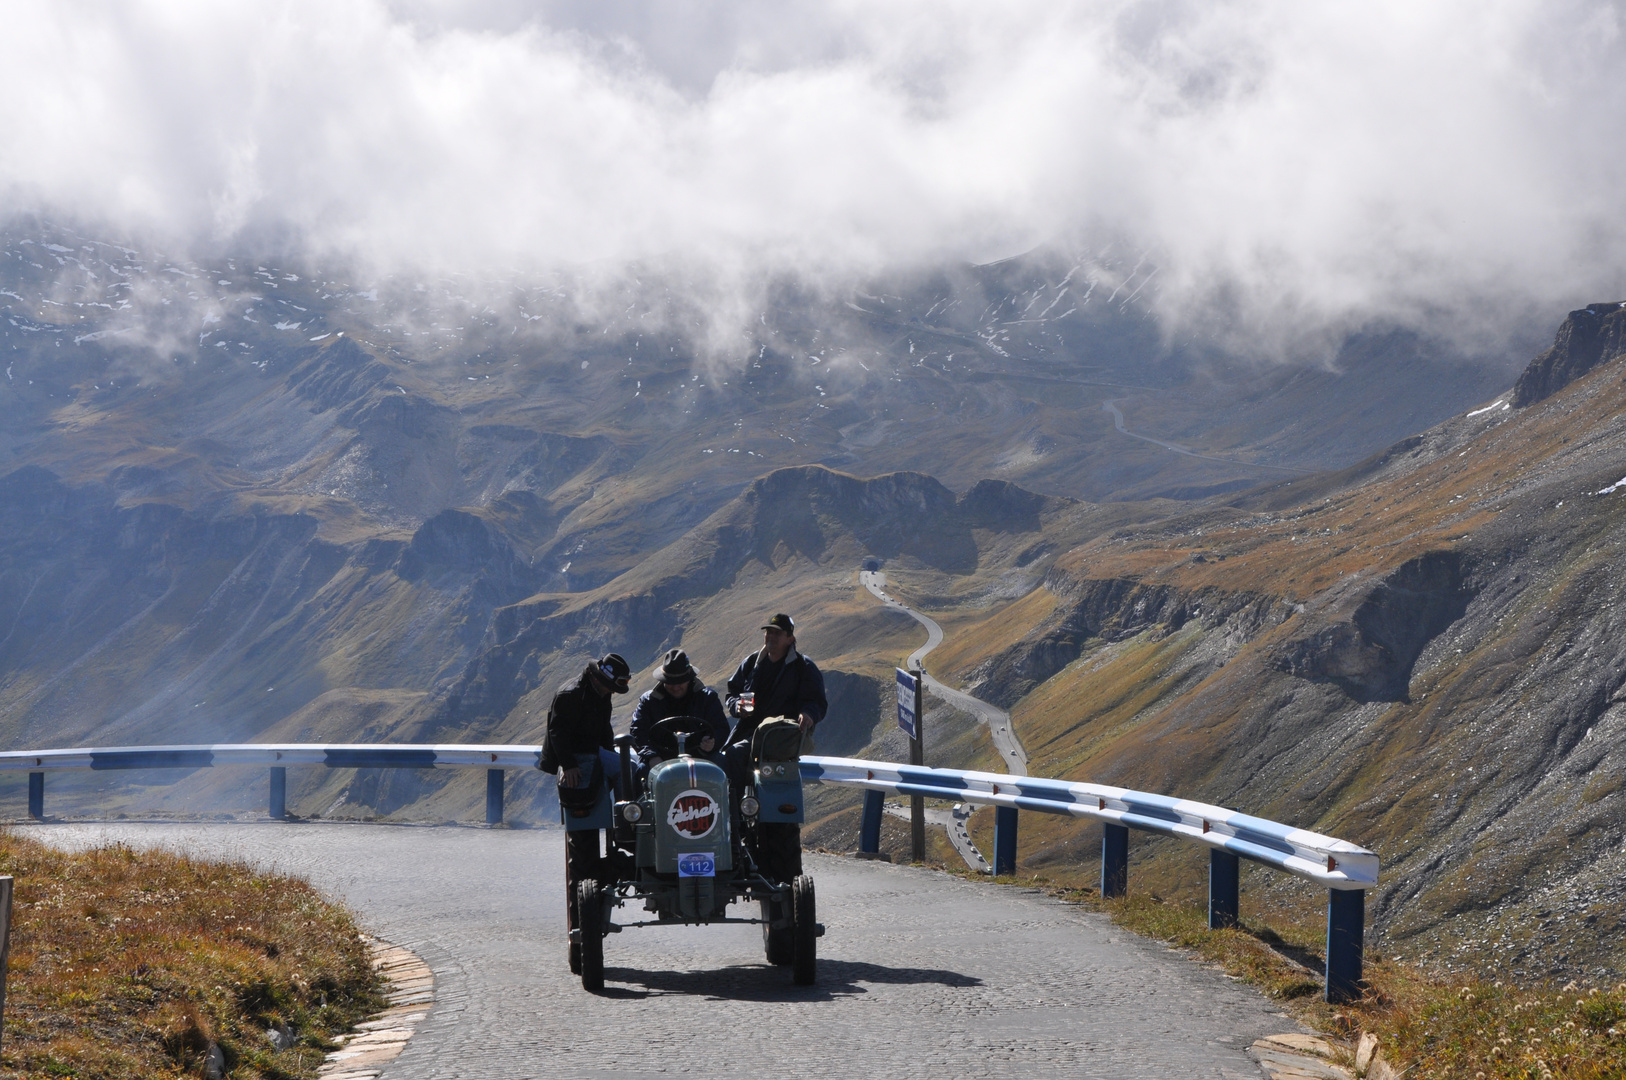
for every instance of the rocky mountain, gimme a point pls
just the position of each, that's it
(245, 501)
(1425, 653)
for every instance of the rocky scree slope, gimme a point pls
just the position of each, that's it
(1425, 654)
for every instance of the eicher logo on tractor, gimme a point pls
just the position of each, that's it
(694, 813)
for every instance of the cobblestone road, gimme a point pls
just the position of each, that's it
(920, 974)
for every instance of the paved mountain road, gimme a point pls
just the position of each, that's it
(997, 720)
(920, 975)
(952, 822)
(1118, 422)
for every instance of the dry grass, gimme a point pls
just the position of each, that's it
(127, 965)
(1433, 1028)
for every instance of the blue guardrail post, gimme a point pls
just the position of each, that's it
(1346, 924)
(1114, 860)
(869, 833)
(278, 807)
(1004, 840)
(36, 795)
(1224, 885)
(493, 796)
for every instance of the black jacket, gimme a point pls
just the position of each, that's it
(578, 723)
(700, 702)
(789, 688)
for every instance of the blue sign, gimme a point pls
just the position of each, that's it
(697, 864)
(906, 703)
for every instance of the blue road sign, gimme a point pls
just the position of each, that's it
(906, 703)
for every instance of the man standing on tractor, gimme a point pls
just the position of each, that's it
(579, 721)
(680, 693)
(579, 746)
(774, 681)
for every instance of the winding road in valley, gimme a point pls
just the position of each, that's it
(1118, 422)
(921, 974)
(997, 720)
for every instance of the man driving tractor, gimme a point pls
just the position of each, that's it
(679, 693)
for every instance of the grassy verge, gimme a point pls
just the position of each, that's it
(1479, 1029)
(131, 965)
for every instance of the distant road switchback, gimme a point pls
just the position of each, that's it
(1118, 422)
(921, 974)
(997, 720)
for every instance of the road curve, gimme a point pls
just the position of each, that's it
(921, 974)
(997, 720)
(1118, 422)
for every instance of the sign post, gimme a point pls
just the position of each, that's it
(911, 718)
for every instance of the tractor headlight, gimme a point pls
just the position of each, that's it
(749, 806)
(631, 812)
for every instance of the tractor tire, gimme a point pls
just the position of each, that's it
(590, 912)
(804, 965)
(779, 945)
(581, 864)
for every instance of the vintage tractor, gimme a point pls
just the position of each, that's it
(678, 846)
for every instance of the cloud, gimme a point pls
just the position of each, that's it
(1296, 165)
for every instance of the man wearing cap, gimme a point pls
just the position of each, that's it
(679, 693)
(579, 721)
(776, 680)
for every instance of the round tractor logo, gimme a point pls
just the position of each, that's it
(693, 813)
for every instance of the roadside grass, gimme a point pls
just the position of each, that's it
(1427, 1026)
(130, 965)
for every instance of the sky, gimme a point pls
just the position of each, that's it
(1290, 166)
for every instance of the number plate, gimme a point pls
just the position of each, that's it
(697, 864)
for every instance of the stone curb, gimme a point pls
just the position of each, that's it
(376, 1042)
(1309, 1057)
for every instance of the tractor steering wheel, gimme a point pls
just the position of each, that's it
(663, 734)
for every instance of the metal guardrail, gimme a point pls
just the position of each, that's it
(277, 757)
(1345, 869)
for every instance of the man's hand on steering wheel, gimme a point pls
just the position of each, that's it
(663, 734)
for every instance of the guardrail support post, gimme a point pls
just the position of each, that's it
(1346, 925)
(493, 796)
(1114, 860)
(6, 884)
(278, 806)
(1004, 840)
(1224, 885)
(869, 833)
(36, 795)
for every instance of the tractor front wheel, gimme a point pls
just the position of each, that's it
(805, 930)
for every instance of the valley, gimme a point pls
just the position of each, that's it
(1371, 596)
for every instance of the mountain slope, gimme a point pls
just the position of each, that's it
(1425, 654)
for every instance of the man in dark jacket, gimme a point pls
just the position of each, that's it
(774, 681)
(579, 720)
(579, 726)
(679, 693)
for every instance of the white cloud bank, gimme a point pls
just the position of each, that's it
(1319, 164)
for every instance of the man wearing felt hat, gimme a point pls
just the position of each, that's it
(679, 692)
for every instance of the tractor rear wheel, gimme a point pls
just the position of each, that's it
(590, 914)
(581, 863)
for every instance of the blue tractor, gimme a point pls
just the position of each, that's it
(677, 847)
